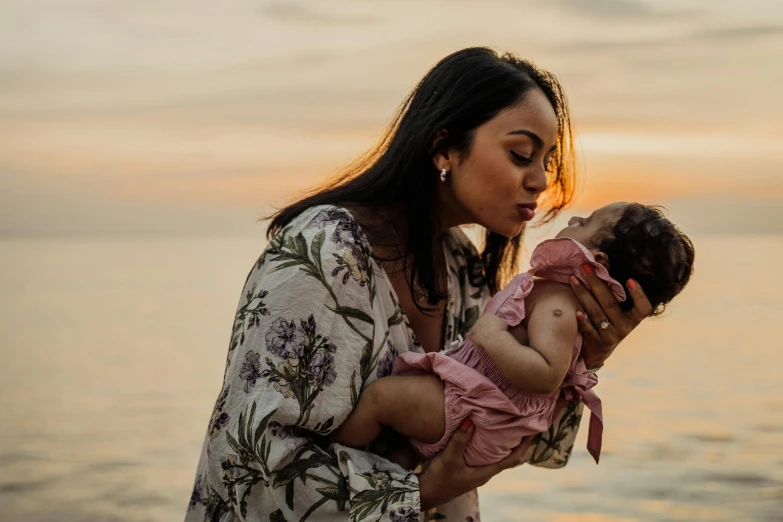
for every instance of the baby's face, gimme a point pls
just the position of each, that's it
(602, 220)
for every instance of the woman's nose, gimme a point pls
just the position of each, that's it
(573, 221)
(535, 181)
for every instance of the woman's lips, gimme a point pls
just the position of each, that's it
(526, 212)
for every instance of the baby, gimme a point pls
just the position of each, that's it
(511, 382)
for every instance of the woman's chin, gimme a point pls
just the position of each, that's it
(508, 231)
(505, 227)
(515, 228)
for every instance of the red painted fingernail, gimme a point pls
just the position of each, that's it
(466, 424)
(587, 269)
(580, 316)
(574, 281)
(632, 284)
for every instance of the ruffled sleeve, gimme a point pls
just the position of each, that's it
(306, 338)
(509, 303)
(558, 259)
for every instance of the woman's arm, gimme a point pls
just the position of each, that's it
(305, 340)
(552, 329)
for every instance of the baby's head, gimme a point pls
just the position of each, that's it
(637, 242)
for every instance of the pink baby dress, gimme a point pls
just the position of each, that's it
(474, 387)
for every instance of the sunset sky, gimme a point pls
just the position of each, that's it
(195, 116)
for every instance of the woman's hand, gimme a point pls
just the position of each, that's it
(601, 306)
(446, 476)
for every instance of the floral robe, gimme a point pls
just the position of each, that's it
(318, 320)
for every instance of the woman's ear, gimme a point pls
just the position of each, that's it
(602, 259)
(440, 154)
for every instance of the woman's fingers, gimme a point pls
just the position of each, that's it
(587, 329)
(454, 452)
(446, 476)
(594, 358)
(452, 467)
(516, 457)
(642, 309)
(589, 303)
(606, 299)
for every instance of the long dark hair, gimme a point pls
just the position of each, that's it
(463, 91)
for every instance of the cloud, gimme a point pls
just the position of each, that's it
(610, 8)
(676, 40)
(727, 215)
(734, 34)
(299, 12)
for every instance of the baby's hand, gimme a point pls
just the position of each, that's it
(487, 326)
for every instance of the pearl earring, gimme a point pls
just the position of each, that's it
(443, 173)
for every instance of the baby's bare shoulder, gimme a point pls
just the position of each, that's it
(554, 295)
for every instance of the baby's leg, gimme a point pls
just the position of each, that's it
(412, 405)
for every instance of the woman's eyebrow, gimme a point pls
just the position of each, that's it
(533, 136)
(530, 134)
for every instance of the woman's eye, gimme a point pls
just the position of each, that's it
(522, 160)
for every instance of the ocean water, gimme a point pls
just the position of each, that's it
(112, 352)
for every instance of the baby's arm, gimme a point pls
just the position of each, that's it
(552, 330)
(412, 405)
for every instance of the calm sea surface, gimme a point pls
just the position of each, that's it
(113, 350)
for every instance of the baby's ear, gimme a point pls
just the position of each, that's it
(602, 259)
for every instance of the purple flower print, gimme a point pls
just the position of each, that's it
(322, 368)
(284, 431)
(230, 467)
(280, 380)
(250, 370)
(282, 335)
(219, 417)
(308, 363)
(195, 497)
(404, 515)
(218, 421)
(378, 479)
(386, 364)
(347, 230)
(308, 326)
(347, 234)
(326, 217)
(354, 264)
(329, 347)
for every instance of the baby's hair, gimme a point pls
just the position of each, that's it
(645, 246)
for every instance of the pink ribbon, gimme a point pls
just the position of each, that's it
(580, 386)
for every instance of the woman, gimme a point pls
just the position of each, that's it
(374, 264)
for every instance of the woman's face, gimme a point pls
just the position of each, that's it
(496, 184)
